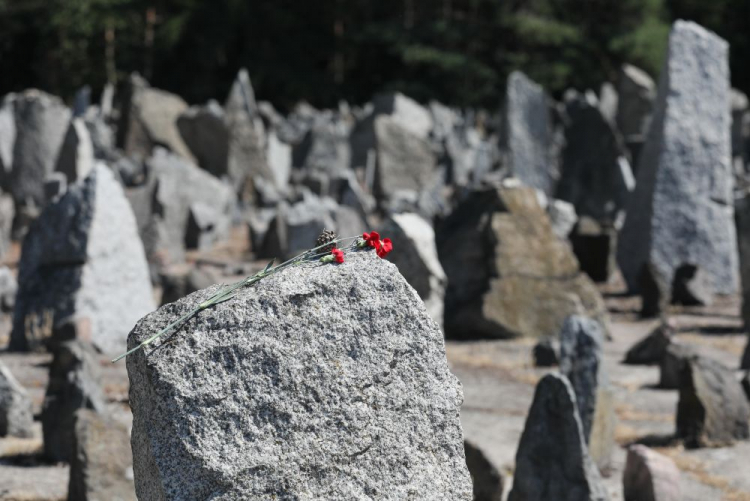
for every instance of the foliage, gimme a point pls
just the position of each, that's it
(456, 51)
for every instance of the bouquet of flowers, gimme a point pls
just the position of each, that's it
(327, 250)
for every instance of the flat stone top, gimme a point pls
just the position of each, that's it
(324, 381)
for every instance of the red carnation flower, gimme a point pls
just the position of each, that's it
(385, 247)
(338, 255)
(372, 239)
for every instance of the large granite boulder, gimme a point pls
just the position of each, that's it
(82, 259)
(417, 259)
(321, 381)
(41, 121)
(101, 463)
(712, 410)
(552, 461)
(74, 379)
(149, 119)
(508, 274)
(637, 92)
(680, 218)
(205, 132)
(581, 361)
(16, 417)
(527, 138)
(650, 476)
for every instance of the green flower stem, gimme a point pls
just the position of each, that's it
(228, 292)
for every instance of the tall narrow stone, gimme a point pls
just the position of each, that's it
(679, 225)
(637, 92)
(528, 133)
(76, 158)
(16, 417)
(552, 461)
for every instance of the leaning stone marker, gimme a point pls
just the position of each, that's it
(528, 133)
(680, 221)
(16, 418)
(552, 461)
(82, 259)
(508, 274)
(321, 382)
(712, 410)
(581, 362)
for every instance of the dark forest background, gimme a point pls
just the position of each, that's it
(456, 51)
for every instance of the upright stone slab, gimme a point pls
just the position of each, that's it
(417, 259)
(637, 93)
(405, 162)
(247, 158)
(7, 213)
(653, 348)
(321, 381)
(149, 118)
(16, 417)
(552, 461)
(41, 122)
(508, 274)
(101, 461)
(82, 259)
(76, 158)
(74, 380)
(528, 133)
(712, 410)
(650, 476)
(581, 362)
(596, 176)
(742, 223)
(680, 215)
(204, 130)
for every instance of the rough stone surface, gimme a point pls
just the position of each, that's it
(596, 176)
(73, 384)
(563, 217)
(100, 467)
(552, 461)
(528, 133)
(742, 223)
(76, 158)
(417, 260)
(653, 348)
(8, 289)
(41, 122)
(7, 213)
(7, 137)
(82, 259)
(681, 210)
(581, 361)
(16, 417)
(713, 410)
(650, 476)
(267, 395)
(485, 476)
(637, 93)
(508, 273)
(149, 119)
